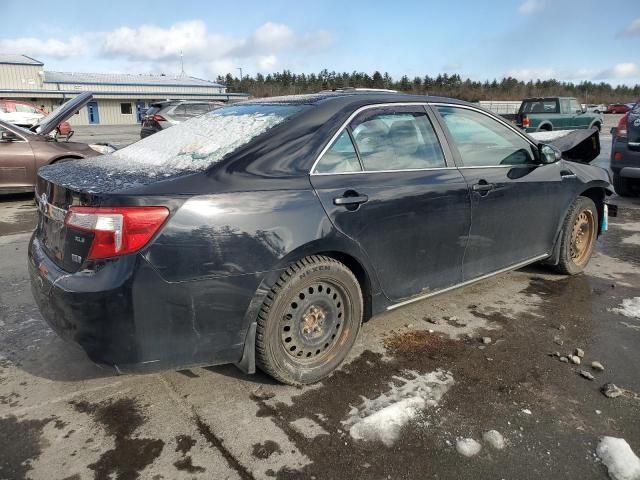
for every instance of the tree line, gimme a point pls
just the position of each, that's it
(508, 88)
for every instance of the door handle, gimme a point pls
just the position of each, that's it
(350, 200)
(567, 174)
(483, 187)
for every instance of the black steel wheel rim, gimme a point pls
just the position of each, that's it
(313, 322)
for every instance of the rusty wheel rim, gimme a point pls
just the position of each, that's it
(582, 237)
(314, 321)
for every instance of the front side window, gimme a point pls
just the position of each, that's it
(393, 139)
(340, 158)
(483, 141)
(574, 106)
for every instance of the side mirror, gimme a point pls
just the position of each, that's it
(549, 154)
(8, 136)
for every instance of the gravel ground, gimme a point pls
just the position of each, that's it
(63, 417)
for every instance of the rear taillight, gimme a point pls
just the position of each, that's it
(621, 129)
(117, 230)
(525, 121)
(157, 118)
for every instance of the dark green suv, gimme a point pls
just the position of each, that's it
(555, 113)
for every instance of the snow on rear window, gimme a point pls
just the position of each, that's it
(200, 142)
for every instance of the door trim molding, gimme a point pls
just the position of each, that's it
(469, 282)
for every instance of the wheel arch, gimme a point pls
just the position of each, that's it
(598, 194)
(65, 157)
(545, 126)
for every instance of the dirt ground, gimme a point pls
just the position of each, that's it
(63, 417)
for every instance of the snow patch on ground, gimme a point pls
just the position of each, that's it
(619, 459)
(382, 418)
(630, 308)
(548, 136)
(468, 447)
(494, 438)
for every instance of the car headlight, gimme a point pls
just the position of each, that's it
(102, 149)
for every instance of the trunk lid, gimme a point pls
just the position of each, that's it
(66, 248)
(49, 123)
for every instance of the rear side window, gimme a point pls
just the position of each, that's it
(340, 158)
(25, 108)
(389, 139)
(539, 106)
(483, 141)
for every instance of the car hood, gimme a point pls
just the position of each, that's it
(49, 123)
(578, 145)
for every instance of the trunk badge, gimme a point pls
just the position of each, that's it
(636, 122)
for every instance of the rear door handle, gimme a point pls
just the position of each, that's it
(567, 174)
(483, 187)
(354, 200)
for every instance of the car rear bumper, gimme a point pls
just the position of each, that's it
(124, 314)
(146, 131)
(628, 163)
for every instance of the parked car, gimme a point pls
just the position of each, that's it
(625, 153)
(263, 233)
(600, 108)
(163, 115)
(27, 115)
(555, 113)
(23, 151)
(618, 108)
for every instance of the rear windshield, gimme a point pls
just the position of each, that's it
(539, 106)
(153, 109)
(199, 142)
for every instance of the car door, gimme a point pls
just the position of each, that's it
(516, 202)
(580, 120)
(566, 117)
(386, 183)
(17, 162)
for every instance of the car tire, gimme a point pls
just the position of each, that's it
(64, 159)
(309, 321)
(578, 236)
(621, 186)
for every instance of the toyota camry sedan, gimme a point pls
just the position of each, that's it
(263, 233)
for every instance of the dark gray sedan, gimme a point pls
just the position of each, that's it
(263, 233)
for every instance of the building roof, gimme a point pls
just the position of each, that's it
(127, 79)
(16, 59)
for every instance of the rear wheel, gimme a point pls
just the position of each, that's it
(621, 186)
(309, 321)
(578, 237)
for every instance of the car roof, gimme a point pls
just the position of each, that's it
(344, 98)
(537, 99)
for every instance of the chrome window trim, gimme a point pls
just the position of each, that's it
(412, 104)
(515, 266)
(23, 139)
(348, 121)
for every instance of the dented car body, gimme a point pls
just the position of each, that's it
(413, 195)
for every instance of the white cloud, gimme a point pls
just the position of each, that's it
(621, 71)
(530, 6)
(451, 67)
(633, 29)
(45, 48)
(532, 73)
(267, 63)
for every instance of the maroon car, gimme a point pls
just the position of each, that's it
(618, 108)
(23, 151)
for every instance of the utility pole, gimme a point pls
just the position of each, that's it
(182, 74)
(240, 68)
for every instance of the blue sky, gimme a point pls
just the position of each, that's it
(566, 39)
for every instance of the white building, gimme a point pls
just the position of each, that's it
(119, 99)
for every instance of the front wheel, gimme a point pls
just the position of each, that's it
(578, 237)
(309, 321)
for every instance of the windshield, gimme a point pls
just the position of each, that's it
(199, 142)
